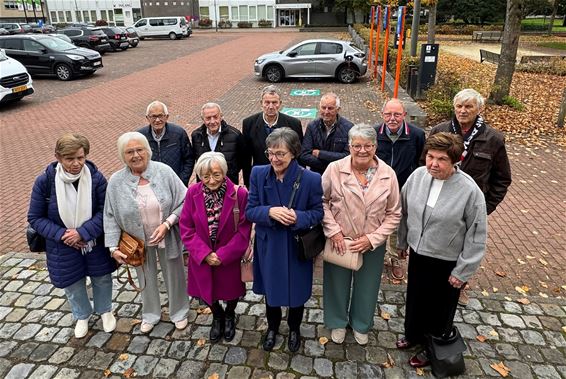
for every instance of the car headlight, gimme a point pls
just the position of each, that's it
(259, 61)
(75, 57)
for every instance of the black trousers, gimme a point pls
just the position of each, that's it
(220, 313)
(431, 300)
(294, 318)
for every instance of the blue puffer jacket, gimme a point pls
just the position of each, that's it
(65, 264)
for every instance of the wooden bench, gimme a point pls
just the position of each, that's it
(489, 56)
(481, 36)
(540, 58)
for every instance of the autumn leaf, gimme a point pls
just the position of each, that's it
(389, 363)
(563, 287)
(501, 369)
(523, 301)
(420, 371)
(508, 298)
(521, 262)
(107, 373)
(123, 357)
(564, 329)
(522, 290)
(201, 342)
(501, 273)
(495, 289)
(481, 338)
(543, 262)
(135, 322)
(385, 315)
(493, 333)
(543, 284)
(542, 294)
(485, 293)
(129, 373)
(530, 257)
(323, 340)
(214, 376)
(204, 311)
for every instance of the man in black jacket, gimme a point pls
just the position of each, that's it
(169, 143)
(257, 127)
(326, 138)
(216, 135)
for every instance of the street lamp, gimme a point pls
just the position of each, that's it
(215, 17)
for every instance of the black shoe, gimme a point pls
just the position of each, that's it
(217, 329)
(229, 329)
(269, 341)
(294, 341)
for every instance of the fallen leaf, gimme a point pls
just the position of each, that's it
(385, 315)
(501, 369)
(542, 294)
(508, 298)
(564, 329)
(530, 257)
(525, 288)
(481, 338)
(523, 301)
(204, 311)
(201, 342)
(543, 284)
(323, 340)
(493, 333)
(520, 290)
(563, 287)
(495, 289)
(420, 371)
(521, 262)
(543, 262)
(485, 293)
(107, 373)
(135, 321)
(389, 363)
(214, 376)
(129, 373)
(501, 273)
(123, 357)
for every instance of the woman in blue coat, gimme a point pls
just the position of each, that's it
(66, 208)
(278, 273)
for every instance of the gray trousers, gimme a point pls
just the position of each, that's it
(175, 282)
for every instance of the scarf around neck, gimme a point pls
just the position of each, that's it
(213, 201)
(479, 126)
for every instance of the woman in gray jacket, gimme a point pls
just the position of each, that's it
(444, 226)
(145, 199)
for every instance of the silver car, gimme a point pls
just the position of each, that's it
(315, 58)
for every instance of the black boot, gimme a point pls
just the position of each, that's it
(269, 340)
(230, 323)
(294, 341)
(217, 329)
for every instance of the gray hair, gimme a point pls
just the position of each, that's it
(332, 95)
(210, 106)
(364, 131)
(204, 163)
(285, 137)
(154, 104)
(270, 90)
(468, 94)
(393, 101)
(125, 138)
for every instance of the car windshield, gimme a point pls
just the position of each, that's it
(57, 44)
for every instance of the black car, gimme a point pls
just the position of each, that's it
(117, 37)
(89, 37)
(47, 55)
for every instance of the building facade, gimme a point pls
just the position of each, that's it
(14, 11)
(115, 12)
(187, 8)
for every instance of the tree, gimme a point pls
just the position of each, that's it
(431, 4)
(553, 16)
(506, 67)
(471, 11)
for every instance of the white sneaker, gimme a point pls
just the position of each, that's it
(181, 324)
(108, 322)
(361, 338)
(338, 335)
(81, 329)
(146, 327)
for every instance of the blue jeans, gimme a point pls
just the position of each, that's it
(101, 295)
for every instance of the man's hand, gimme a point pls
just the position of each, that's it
(119, 256)
(315, 152)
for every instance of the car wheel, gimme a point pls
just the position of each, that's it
(134, 44)
(63, 72)
(172, 36)
(347, 74)
(273, 73)
(123, 48)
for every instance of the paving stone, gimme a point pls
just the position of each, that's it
(43, 289)
(553, 355)
(533, 338)
(54, 304)
(68, 373)
(380, 324)
(124, 325)
(20, 370)
(256, 358)
(120, 366)
(302, 364)
(119, 342)
(51, 318)
(489, 318)
(507, 351)
(145, 364)
(287, 375)
(162, 329)
(313, 348)
(217, 353)
(101, 360)
(6, 347)
(179, 350)
(26, 263)
(509, 335)
(394, 297)
(562, 370)
(532, 321)
(346, 370)
(190, 369)
(555, 338)
(82, 357)
(513, 321)
(237, 341)
(355, 352)
(246, 322)
(11, 262)
(66, 320)
(487, 332)
(16, 315)
(24, 350)
(13, 285)
(9, 298)
(369, 371)
(24, 274)
(473, 368)
(239, 372)
(511, 307)
(128, 310)
(139, 344)
(43, 372)
(383, 338)
(257, 310)
(165, 368)
(250, 339)
(5, 366)
(334, 351)
(471, 317)
(531, 353)
(198, 352)
(308, 330)
(316, 316)
(553, 310)
(518, 370)
(62, 355)
(126, 297)
(158, 347)
(323, 367)
(64, 335)
(218, 369)
(201, 332)
(43, 352)
(4, 311)
(375, 354)
(533, 309)
(551, 323)
(545, 372)
(29, 287)
(235, 356)
(482, 349)
(278, 361)
(98, 340)
(35, 315)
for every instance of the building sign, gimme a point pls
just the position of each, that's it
(300, 112)
(305, 92)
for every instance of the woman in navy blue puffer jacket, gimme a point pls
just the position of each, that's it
(66, 208)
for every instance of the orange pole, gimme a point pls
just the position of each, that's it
(385, 47)
(377, 41)
(399, 53)
(371, 36)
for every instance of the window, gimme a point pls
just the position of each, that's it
(141, 23)
(166, 3)
(235, 15)
(78, 15)
(204, 12)
(261, 15)
(61, 16)
(243, 13)
(306, 49)
(253, 12)
(330, 48)
(103, 15)
(30, 45)
(157, 3)
(93, 16)
(69, 16)
(10, 5)
(85, 16)
(224, 13)
(53, 17)
(169, 21)
(11, 44)
(156, 22)
(174, 3)
(270, 12)
(111, 15)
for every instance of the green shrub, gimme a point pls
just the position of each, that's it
(554, 66)
(441, 94)
(244, 24)
(406, 60)
(513, 103)
(264, 23)
(205, 22)
(225, 24)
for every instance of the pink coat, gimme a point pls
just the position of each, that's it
(219, 282)
(376, 213)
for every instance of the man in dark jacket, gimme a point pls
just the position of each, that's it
(169, 143)
(485, 157)
(257, 127)
(400, 145)
(216, 135)
(326, 138)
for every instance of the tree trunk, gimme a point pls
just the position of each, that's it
(431, 23)
(553, 16)
(506, 67)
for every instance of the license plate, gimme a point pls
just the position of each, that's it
(19, 89)
(97, 63)
(103, 40)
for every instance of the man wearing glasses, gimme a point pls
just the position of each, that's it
(257, 127)
(169, 143)
(326, 138)
(400, 145)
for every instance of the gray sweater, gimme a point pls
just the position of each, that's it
(121, 210)
(456, 229)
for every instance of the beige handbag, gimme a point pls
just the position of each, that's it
(247, 262)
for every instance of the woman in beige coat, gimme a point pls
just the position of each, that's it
(361, 201)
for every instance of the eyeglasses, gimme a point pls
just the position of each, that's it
(358, 148)
(389, 115)
(278, 154)
(133, 152)
(157, 116)
(216, 176)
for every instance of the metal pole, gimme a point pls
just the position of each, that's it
(415, 27)
(562, 113)
(215, 17)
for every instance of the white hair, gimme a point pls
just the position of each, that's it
(468, 94)
(154, 104)
(210, 106)
(364, 131)
(204, 163)
(125, 138)
(332, 95)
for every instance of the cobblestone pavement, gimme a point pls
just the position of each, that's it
(37, 341)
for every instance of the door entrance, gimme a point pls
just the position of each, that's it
(289, 17)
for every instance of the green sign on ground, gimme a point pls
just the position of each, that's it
(305, 92)
(300, 112)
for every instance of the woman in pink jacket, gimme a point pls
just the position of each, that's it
(361, 201)
(216, 234)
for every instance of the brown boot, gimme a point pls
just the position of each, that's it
(397, 272)
(464, 299)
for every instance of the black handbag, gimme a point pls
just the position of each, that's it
(36, 241)
(310, 242)
(446, 354)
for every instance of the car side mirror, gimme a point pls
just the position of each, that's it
(292, 54)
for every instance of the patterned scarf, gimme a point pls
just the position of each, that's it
(213, 204)
(479, 126)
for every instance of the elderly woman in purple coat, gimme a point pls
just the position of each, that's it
(216, 234)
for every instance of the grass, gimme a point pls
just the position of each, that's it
(541, 22)
(553, 45)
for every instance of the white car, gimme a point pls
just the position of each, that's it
(15, 81)
(167, 26)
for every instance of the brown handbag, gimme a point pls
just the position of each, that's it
(134, 249)
(247, 263)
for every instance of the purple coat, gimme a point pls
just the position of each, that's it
(219, 282)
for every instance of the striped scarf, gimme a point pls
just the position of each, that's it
(213, 204)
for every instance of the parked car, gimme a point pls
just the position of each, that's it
(133, 37)
(319, 58)
(46, 55)
(89, 37)
(62, 36)
(4, 32)
(117, 37)
(12, 27)
(26, 28)
(172, 27)
(45, 28)
(15, 81)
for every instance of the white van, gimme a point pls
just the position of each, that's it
(15, 81)
(173, 27)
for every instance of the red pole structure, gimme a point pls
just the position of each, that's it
(385, 46)
(371, 36)
(379, 25)
(399, 53)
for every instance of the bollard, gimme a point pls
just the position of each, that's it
(562, 112)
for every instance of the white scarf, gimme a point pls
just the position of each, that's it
(75, 207)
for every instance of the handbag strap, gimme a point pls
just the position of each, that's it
(296, 186)
(130, 279)
(236, 209)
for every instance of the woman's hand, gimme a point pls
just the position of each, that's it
(119, 256)
(402, 254)
(284, 215)
(361, 245)
(158, 234)
(455, 282)
(71, 237)
(338, 243)
(212, 259)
